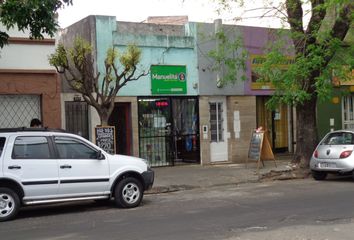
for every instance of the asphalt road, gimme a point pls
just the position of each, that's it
(296, 210)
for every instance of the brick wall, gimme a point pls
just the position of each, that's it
(43, 83)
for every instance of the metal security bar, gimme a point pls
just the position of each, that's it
(18, 110)
(169, 130)
(76, 118)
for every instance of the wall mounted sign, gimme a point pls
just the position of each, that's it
(168, 79)
(257, 61)
(105, 138)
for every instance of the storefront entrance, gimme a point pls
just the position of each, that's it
(120, 118)
(276, 123)
(169, 130)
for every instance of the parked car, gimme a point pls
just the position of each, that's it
(39, 166)
(334, 154)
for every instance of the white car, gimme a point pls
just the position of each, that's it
(40, 166)
(334, 155)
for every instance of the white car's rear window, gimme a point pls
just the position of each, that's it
(339, 138)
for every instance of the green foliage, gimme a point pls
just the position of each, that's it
(37, 16)
(59, 58)
(131, 57)
(318, 50)
(77, 66)
(229, 57)
(310, 74)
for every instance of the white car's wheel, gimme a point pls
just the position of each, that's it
(128, 193)
(9, 204)
(319, 176)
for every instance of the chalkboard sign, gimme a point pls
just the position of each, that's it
(105, 138)
(260, 149)
(256, 143)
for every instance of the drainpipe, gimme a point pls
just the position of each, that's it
(218, 28)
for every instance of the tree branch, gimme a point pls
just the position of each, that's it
(295, 14)
(343, 22)
(318, 14)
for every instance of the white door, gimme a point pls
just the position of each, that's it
(31, 162)
(80, 171)
(218, 126)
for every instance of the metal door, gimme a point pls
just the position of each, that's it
(155, 140)
(169, 130)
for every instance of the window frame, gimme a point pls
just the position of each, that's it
(219, 122)
(3, 146)
(50, 148)
(97, 150)
(347, 111)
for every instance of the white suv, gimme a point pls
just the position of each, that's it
(45, 166)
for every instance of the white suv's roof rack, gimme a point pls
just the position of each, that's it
(26, 129)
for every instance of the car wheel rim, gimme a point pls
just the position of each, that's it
(131, 193)
(7, 205)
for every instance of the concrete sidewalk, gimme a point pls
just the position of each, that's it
(176, 178)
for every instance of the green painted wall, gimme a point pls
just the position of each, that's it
(156, 50)
(327, 110)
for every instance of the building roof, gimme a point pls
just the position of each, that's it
(174, 20)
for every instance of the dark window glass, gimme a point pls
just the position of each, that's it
(31, 148)
(76, 118)
(339, 138)
(70, 148)
(2, 144)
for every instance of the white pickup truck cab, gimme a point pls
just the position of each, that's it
(39, 166)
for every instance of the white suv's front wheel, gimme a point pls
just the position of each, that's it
(9, 204)
(128, 193)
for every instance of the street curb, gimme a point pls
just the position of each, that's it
(177, 188)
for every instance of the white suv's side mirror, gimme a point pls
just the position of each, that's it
(100, 155)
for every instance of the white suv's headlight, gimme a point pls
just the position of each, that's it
(146, 161)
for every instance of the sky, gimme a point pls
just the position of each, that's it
(139, 10)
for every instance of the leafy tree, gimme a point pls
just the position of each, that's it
(77, 67)
(39, 17)
(318, 48)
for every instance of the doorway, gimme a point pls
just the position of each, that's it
(218, 125)
(121, 119)
(276, 124)
(169, 130)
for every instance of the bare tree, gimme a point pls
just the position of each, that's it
(77, 67)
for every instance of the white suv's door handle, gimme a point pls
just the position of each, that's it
(14, 167)
(65, 166)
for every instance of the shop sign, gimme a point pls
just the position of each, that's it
(257, 61)
(166, 79)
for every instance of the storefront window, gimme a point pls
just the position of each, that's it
(169, 130)
(347, 110)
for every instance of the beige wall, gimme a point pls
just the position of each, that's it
(238, 147)
(237, 144)
(204, 120)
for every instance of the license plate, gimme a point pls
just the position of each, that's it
(327, 165)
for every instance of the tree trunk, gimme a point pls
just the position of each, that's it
(104, 118)
(105, 113)
(306, 132)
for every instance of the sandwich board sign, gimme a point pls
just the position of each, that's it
(260, 149)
